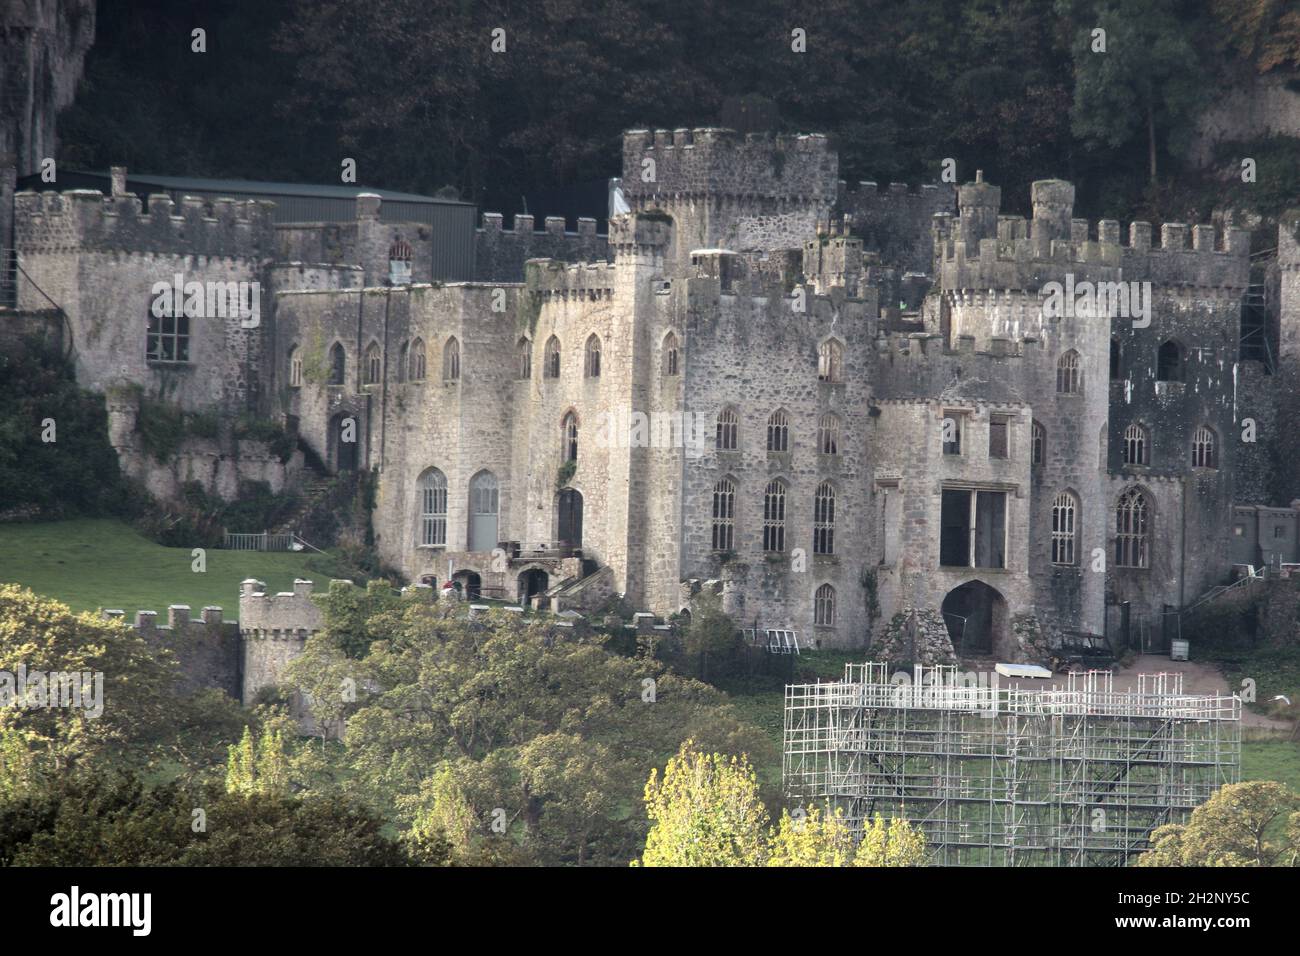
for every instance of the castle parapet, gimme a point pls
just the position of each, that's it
(86, 220)
(721, 163)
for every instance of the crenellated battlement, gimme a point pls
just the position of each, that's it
(80, 220)
(288, 615)
(494, 222)
(712, 163)
(552, 279)
(982, 249)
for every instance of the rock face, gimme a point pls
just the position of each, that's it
(914, 636)
(43, 45)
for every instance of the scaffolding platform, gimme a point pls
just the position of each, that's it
(999, 775)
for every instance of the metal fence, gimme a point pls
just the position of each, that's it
(265, 541)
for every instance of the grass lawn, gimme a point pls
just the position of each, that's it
(1271, 758)
(95, 563)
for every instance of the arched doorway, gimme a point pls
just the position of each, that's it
(976, 615)
(469, 584)
(569, 508)
(484, 505)
(344, 441)
(532, 582)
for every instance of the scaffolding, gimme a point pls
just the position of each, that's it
(1005, 775)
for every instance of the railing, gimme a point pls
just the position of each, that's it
(266, 541)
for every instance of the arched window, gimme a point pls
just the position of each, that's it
(1132, 529)
(728, 430)
(778, 431)
(1064, 510)
(451, 360)
(724, 515)
(295, 367)
(416, 361)
(824, 519)
(524, 355)
(828, 434)
(1069, 374)
(484, 506)
(433, 508)
(374, 364)
(569, 436)
(824, 606)
(551, 368)
(774, 516)
(1203, 448)
(1038, 444)
(830, 361)
(399, 262)
(1137, 447)
(338, 362)
(1169, 362)
(671, 358)
(591, 367)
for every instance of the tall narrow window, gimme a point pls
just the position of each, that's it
(1203, 448)
(433, 508)
(774, 516)
(1136, 447)
(451, 360)
(951, 431)
(824, 519)
(551, 368)
(416, 360)
(824, 606)
(524, 356)
(592, 366)
(569, 433)
(1131, 530)
(374, 364)
(1039, 451)
(999, 447)
(1069, 374)
(778, 431)
(671, 357)
(724, 515)
(338, 363)
(1063, 517)
(1116, 360)
(295, 367)
(828, 434)
(728, 430)
(1169, 362)
(830, 361)
(403, 362)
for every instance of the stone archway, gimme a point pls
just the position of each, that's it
(977, 620)
(532, 582)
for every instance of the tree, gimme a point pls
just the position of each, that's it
(1264, 32)
(1146, 84)
(258, 765)
(704, 812)
(1233, 828)
(811, 838)
(128, 691)
(892, 843)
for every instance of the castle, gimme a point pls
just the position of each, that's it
(849, 410)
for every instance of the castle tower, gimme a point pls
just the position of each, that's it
(751, 194)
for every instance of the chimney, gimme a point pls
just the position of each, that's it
(117, 176)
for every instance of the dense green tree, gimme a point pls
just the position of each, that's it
(1235, 827)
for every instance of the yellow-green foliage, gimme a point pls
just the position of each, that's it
(1231, 829)
(706, 812)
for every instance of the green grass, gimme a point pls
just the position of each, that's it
(97, 563)
(1271, 758)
